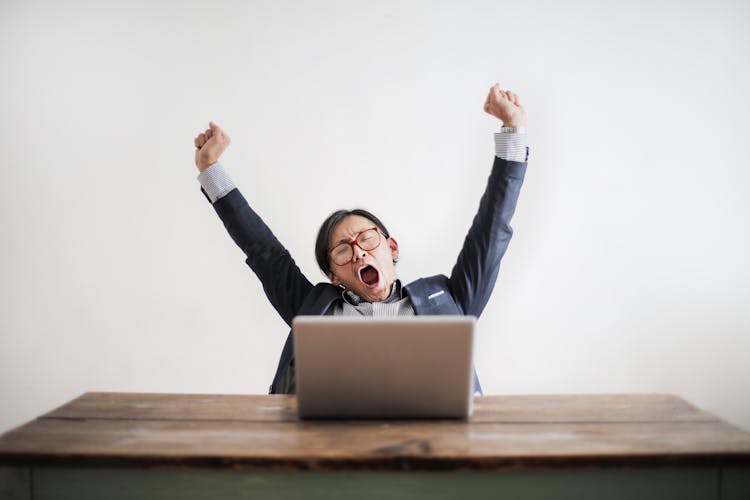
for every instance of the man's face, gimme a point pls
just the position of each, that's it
(371, 273)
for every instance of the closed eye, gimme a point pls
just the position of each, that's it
(340, 250)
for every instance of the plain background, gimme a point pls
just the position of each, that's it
(628, 269)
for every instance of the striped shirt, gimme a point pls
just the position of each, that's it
(353, 305)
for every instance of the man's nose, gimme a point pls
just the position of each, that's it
(358, 252)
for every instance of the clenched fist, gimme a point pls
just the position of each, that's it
(505, 105)
(210, 145)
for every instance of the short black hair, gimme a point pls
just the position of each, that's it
(324, 233)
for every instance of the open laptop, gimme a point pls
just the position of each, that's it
(357, 367)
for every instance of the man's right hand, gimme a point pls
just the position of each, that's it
(210, 145)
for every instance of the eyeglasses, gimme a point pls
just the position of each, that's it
(342, 254)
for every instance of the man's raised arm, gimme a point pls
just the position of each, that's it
(285, 285)
(473, 277)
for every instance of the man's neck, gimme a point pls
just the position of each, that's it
(395, 295)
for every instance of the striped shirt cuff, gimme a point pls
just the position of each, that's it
(216, 182)
(511, 146)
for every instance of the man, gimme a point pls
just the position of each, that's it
(356, 252)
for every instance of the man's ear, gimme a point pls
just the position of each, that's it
(394, 248)
(333, 278)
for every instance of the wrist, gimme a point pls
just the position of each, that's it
(203, 165)
(514, 122)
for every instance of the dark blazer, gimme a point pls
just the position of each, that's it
(466, 291)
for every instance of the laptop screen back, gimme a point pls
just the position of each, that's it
(417, 367)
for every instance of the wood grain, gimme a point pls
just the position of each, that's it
(283, 408)
(263, 432)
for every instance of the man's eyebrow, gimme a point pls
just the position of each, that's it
(347, 240)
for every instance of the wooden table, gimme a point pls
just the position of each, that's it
(123, 445)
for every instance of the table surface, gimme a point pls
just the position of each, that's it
(264, 432)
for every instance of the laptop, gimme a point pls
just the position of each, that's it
(357, 367)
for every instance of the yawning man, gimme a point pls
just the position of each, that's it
(357, 253)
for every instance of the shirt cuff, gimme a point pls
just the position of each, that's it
(216, 182)
(512, 146)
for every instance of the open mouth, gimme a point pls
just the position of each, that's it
(369, 276)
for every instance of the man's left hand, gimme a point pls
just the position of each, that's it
(505, 105)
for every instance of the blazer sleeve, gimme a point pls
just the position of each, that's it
(283, 282)
(473, 277)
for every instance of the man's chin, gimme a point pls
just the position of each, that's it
(376, 294)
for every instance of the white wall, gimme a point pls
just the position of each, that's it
(628, 269)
